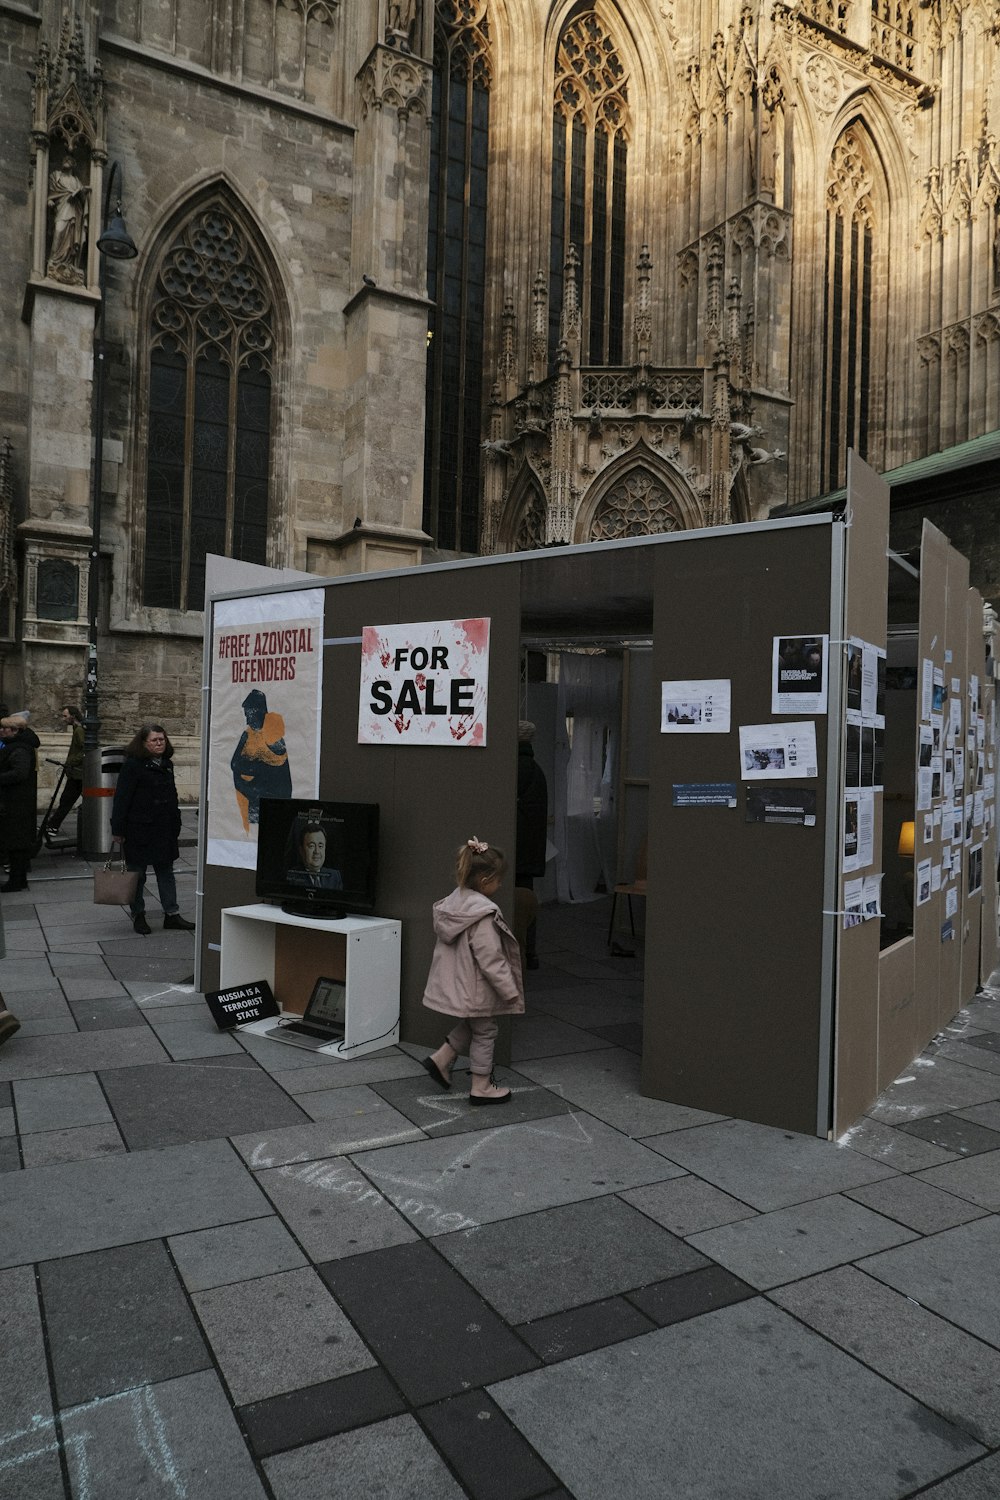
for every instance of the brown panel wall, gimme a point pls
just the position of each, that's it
(971, 907)
(897, 1010)
(950, 996)
(989, 943)
(865, 606)
(734, 930)
(932, 643)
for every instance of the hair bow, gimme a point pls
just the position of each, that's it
(476, 845)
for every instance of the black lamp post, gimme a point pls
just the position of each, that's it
(115, 243)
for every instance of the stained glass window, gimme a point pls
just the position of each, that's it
(456, 274)
(208, 455)
(590, 134)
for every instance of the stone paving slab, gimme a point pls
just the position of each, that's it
(442, 1113)
(950, 1372)
(981, 1114)
(894, 1148)
(916, 1204)
(161, 1442)
(931, 1086)
(486, 1450)
(333, 1210)
(542, 1263)
(169, 1104)
(388, 1460)
(49, 1211)
(787, 1243)
(377, 1067)
(83, 1052)
(545, 1036)
(19, 976)
(316, 1142)
(494, 1174)
(106, 1014)
(768, 1168)
(201, 1038)
(955, 1133)
(594, 1326)
(606, 1084)
(277, 1333)
(427, 1326)
(235, 1252)
(53, 1146)
(976, 1179)
(980, 1481)
(586, 1010)
(162, 969)
(319, 1411)
(47, 1028)
(685, 1205)
(952, 1273)
(10, 1161)
(95, 988)
(975, 1052)
(47, 1004)
(152, 994)
(117, 1319)
(29, 1458)
(855, 1434)
(59, 1103)
(7, 1120)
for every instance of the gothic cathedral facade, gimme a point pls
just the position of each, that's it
(420, 280)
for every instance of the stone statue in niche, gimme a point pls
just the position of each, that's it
(69, 202)
(401, 23)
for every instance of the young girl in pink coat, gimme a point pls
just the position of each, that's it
(475, 973)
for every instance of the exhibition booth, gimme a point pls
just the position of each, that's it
(766, 715)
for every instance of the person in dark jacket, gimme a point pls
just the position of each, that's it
(18, 798)
(73, 790)
(145, 817)
(532, 825)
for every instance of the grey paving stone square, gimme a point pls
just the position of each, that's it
(441, 1113)
(46, 1004)
(277, 1333)
(195, 1011)
(801, 1417)
(373, 1068)
(537, 1264)
(955, 1375)
(278, 1057)
(976, 1179)
(47, 1028)
(980, 1481)
(983, 1012)
(160, 1442)
(6, 1095)
(59, 1103)
(95, 988)
(81, 1052)
(685, 1205)
(152, 994)
(565, 1335)
(606, 1084)
(451, 1183)
(77, 965)
(682, 1297)
(931, 1085)
(953, 1273)
(319, 1411)
(769, 1168)
(894, 1148)
(234, 1252)
(333, 1210)
(316, 1142)
(7, 1121)
(980, 1114)
(429, 1329)
(386, 1461)
(787, 1243)
(106, 1015)
(486, 1451)
(117, 1319)
(143, 1196)
(546, 1036)
(916, 1204)
(10, 1161)
(29, 1455)
(77, 1144)
(18, 976)
(163, 969)
(202, 1038)
(975, 1051)
(955, 1133)
(169, 1104)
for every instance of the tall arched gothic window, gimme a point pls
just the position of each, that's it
(210, 404)
(456, 273)
(590, 131)
(855, 285)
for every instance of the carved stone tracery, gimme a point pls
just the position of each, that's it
(638, 505)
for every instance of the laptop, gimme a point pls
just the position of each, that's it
(323, 1021)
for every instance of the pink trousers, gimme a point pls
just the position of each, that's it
(475, 1037)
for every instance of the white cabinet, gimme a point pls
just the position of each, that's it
(291, 953)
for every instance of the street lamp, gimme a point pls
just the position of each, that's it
(114, 243)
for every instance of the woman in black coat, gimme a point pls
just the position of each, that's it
(146, 817)
(18, 796)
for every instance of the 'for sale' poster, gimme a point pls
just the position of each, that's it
(424, 683)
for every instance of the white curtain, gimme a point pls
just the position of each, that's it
(587, 749)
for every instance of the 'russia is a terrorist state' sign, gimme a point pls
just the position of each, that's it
(424, 683)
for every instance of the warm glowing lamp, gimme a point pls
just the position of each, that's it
(906, 840)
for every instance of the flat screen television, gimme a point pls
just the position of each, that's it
(318, 858)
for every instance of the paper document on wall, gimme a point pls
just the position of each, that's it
(777, 751)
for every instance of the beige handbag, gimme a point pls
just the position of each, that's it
(114, 885)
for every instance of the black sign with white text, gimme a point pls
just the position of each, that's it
(241, 1003)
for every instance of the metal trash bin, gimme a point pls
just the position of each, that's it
(100, 777)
